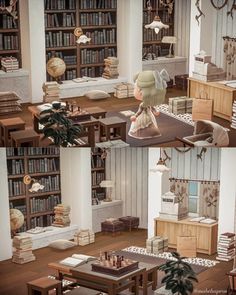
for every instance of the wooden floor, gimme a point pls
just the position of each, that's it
(115, 105)
(13, 277)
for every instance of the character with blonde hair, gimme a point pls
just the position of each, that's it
(150, 88)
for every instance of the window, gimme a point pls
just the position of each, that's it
(193, 200)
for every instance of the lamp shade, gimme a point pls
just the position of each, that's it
(107, 183)
(169, 39)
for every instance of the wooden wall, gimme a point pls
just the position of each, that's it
(128, 167)
(188, 166)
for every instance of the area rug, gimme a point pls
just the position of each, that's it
(206, 263)
(170, 128)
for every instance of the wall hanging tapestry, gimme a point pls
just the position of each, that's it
(230, 57)
(209, 199)
(180, 188)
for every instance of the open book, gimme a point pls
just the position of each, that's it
(77, 259)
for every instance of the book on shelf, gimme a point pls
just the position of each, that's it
(77, 259)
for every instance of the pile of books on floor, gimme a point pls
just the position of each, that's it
(9, 64)
(226, 247)
(180, 105)
(22, 250)
(9, 103)
(233, 124)
(62, 217)
(51, 91)
(111, 68)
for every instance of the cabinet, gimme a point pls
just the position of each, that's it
(10, 34)
(152, 41)
(43, 165)
(206, 234)
(223, 96)
(97, 19)
(174, 66)
(98, 167)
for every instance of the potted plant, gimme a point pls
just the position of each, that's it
(59, 128)
(179, 276)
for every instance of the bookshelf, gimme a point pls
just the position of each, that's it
(97, 18)
(10, 35)
(42, 164)
(98, 173)
(151, 40)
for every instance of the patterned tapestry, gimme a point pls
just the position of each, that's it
(180, 188)
(209, 199)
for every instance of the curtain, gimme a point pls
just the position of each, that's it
(180, 188)
(209, 199)
(230, 57)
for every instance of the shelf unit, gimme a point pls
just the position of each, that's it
(98, 20)
(98, 173)
(152, 41)
(10, 35)
(43, 165)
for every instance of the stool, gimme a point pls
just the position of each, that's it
(24, 137)
(7, 126)
(44, 285)
(112, 227)
(112, 128)
(130, 222)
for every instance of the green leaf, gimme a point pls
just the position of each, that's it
(167, 278)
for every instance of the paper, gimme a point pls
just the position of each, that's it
(73, 262)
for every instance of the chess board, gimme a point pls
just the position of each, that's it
(107, 267)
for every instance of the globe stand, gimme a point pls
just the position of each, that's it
(58, 80)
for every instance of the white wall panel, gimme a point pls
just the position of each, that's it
(188, 166)
(129, 169)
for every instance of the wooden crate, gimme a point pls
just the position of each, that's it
(181, 81)
(187, 246)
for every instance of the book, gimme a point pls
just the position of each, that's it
(208, 221)
(77, 259)
(197, 219)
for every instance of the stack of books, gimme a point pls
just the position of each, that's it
(9, 64)
(51, 91)
(233, 124)
(62, 217)
(111, 68)
(22, 250)
(226, 247)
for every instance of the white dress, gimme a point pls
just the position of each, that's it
(145, 125)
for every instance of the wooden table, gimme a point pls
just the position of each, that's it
(107, 283)
(223, 96)
(89, 125)
(95, 112)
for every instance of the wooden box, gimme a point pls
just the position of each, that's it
(109, 269)
(180, 105)
(157, 245)
(84, 237)
(187, 246)
(124, 90)
(181, 81)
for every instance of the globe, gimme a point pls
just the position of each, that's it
(56, 67)
(16, 219)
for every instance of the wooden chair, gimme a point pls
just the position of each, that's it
(112, 128)
(7, 126)
(24, 137)
(44, 285)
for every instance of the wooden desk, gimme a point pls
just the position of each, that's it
(95, 112)
(106, 283)
(223, 96)
(206, 234)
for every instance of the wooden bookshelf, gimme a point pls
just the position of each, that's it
(97, 18)
(10, 44)
(42, 164)
(98, 173)
(152, 41)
